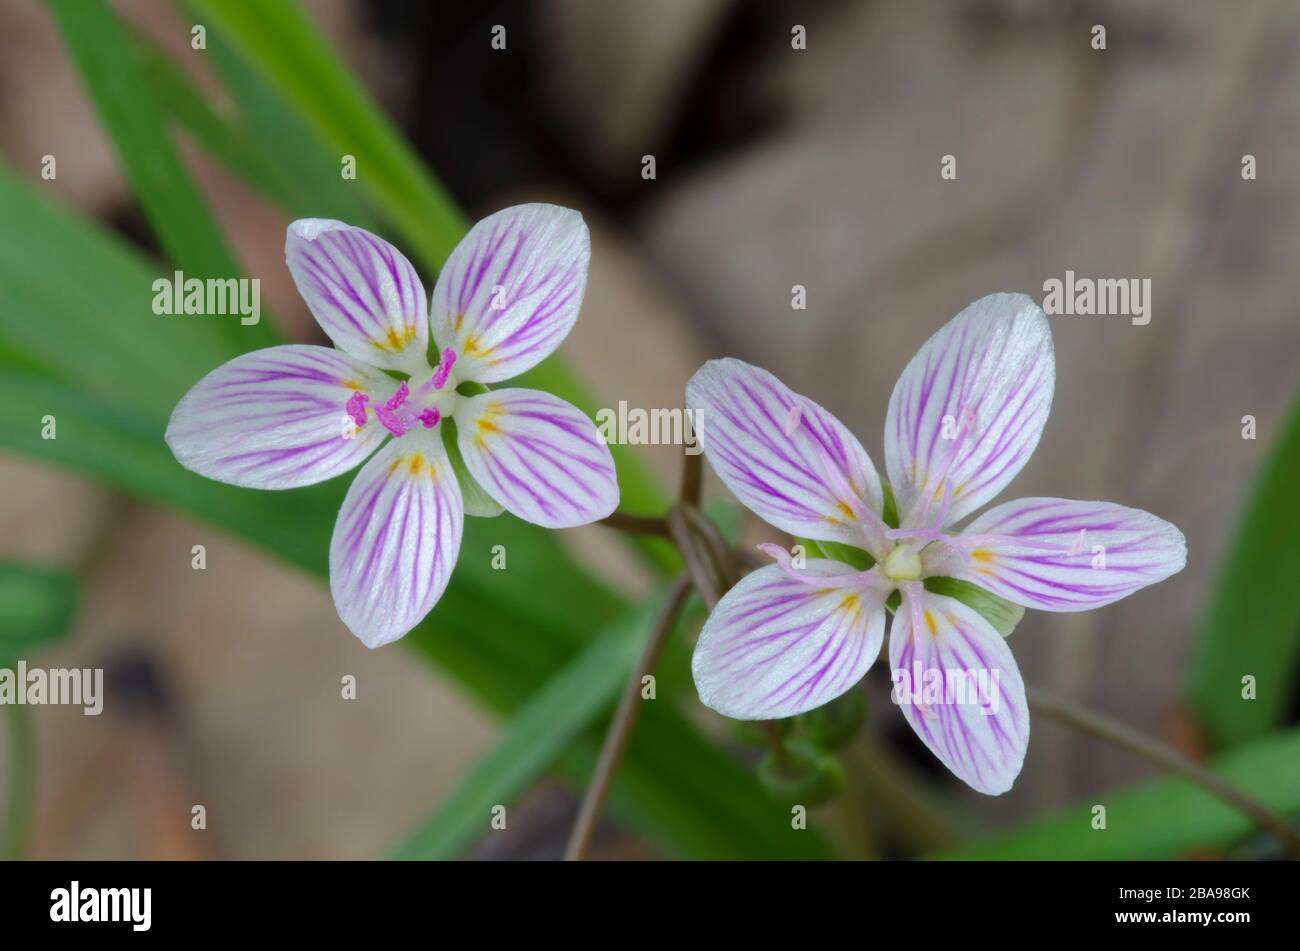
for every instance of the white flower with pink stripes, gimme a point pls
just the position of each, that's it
(294, 415)
(964, 418)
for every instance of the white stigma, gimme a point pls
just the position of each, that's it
(903, 564)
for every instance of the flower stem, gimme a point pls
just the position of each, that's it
(18, 801)
(692, 479)
(1112, 731)
(700, 565)
(773, 736)
(722, 552)
(620, 729)
(637, 524)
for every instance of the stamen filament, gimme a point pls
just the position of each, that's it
(387, 413)
(439, 378)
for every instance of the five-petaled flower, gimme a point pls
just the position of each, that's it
(294, 415)
(964, 418)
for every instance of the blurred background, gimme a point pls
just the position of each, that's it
(774, 167)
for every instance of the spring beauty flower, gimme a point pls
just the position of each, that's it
(964, 418)
(294, 415)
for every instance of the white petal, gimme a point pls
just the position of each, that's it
(775, 646)
(363, 291)
(537, 455)
(785, 458)
(977, 720)
(1062, 555)
(276, 418)
(969, 408)
(511, 290)
(396, 539)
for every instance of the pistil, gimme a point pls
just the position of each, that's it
(903, 564)
(388, 415)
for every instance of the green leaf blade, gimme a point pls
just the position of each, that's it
(536, 735)
(1160, 819)
(116, 80)
(1252, 624)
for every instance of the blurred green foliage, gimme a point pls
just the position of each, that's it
(545, 645)
(37, 605)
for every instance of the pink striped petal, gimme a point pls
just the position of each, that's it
(538, 456)
(967, 411)
(784, 457)
(364, 293)
(1061, 555)
(276, 418)
(510, 291)
(396, 539)
(776, 645)
(975, 719)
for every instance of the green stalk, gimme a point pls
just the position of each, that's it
(22, 784)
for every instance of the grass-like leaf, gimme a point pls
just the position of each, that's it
(1163, 818)
(118, 84)
(1251, 627)
(539, 731)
